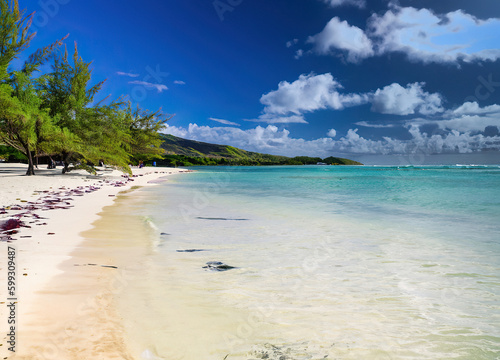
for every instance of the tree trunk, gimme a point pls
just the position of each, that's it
(31, 168)
(66, 163)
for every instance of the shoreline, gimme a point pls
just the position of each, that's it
(50, 289)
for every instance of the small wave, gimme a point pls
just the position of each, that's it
(149, 222)
(157, 241)
(149, 355)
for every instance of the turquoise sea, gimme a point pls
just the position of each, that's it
(331, 262)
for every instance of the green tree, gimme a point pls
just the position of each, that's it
(22, 121)
(90, 132)
(113, 133)
(64, 93)
(145, 127)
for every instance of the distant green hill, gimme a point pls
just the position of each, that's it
(183, 152)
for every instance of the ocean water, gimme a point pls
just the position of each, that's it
(330, 262)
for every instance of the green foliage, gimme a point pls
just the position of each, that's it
(14, 33)
(306, 160)
(16, 127)
(235, 152)
(8, 153)
(183, 160)
(340, 161)
(145, 127)
(41, 56)
(23, 124)
(66, 91)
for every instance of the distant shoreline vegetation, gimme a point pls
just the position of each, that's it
(183, 152)
(182, 160)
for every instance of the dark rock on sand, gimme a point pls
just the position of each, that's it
(104, 266)
(217, 266)
(191, 250)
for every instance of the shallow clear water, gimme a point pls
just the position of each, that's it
(337, 262)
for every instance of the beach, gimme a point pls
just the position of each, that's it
(63, 285)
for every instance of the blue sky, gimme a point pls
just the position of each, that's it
(353, 78)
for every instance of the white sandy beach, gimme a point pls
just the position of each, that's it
(63, 311)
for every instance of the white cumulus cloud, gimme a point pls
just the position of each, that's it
(397, 100)
(421, 34)
(469, 117)
(339, 35)
(428, 37)
(309, 93)
(473, 108)
(261, 139)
